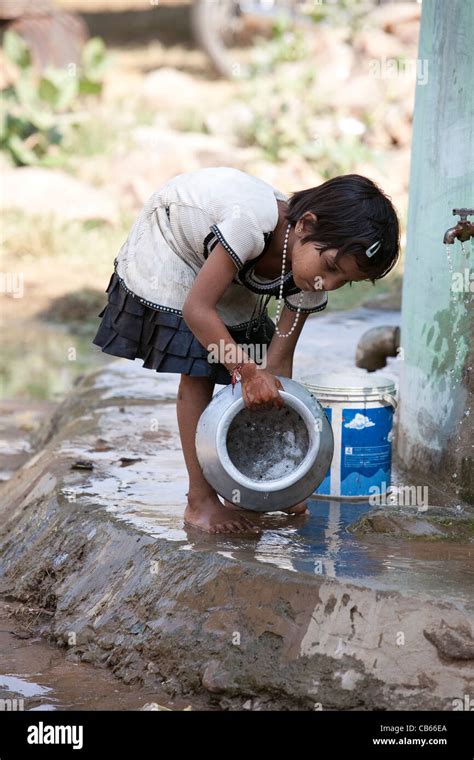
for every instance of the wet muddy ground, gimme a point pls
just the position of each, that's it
(113, 472)
(39, 676)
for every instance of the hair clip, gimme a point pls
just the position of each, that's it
(373, 248)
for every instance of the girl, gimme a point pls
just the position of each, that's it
(194, 277)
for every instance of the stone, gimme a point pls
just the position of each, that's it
(46, 191)
(331, 56)
(293, 174)
(214, 678)
(390, 15)
(452, 643)
(231, 120)
(163, 85)
(158, 154)
(408, 32)
(375, 43)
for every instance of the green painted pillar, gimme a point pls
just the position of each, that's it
(435, 431)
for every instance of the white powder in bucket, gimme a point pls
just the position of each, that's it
(267, 445)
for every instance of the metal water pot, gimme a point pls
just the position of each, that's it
(264, 460)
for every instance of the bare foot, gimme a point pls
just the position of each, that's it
(297, 509)
(207, 513)
(236, 508)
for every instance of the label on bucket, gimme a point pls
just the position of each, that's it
(366, 449)
(325, 486)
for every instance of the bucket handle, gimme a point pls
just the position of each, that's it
(389, 399)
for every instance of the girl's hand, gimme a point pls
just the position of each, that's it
(260, 390)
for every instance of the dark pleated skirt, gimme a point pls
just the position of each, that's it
(132, 330)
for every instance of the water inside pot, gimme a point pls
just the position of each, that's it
(267, 444)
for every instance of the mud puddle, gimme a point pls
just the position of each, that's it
(36, 675)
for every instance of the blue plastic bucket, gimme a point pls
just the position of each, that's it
(361, 416)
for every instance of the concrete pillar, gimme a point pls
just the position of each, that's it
(435, 432)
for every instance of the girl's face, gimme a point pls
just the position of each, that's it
(313, 270)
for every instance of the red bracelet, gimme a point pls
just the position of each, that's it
(235, 374)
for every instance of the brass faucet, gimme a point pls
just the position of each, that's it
(463, 229)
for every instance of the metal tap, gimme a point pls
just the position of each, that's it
(463, 229)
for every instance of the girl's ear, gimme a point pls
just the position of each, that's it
(305, 222)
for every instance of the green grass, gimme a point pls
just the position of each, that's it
(42, 361)
(351, 297)
(25, 236)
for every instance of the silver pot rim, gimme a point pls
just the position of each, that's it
(276, 484)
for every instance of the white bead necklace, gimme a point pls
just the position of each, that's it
(280, 294)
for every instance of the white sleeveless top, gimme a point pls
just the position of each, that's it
(178, 228)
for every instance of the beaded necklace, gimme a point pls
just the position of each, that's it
(280, 295)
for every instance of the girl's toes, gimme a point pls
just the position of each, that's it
(253, 528)
(297, 509)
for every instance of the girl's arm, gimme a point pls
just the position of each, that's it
(281, 350)
(259, 388)
(199, 310)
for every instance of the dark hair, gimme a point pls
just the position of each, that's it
(352, 214)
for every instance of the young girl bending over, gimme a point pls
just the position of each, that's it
(194, 277)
